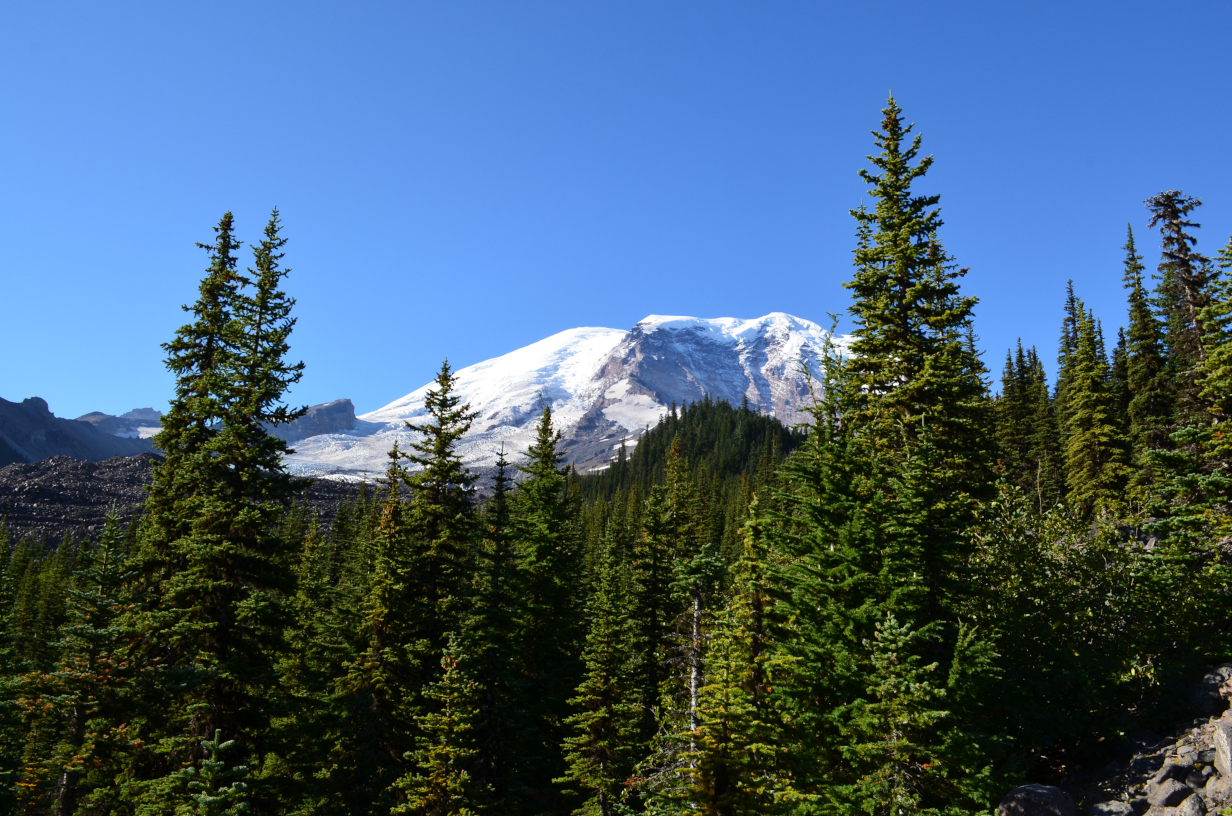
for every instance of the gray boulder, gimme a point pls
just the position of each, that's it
(1218, 790)
(1173, 769)
(1111, 809)
(1193, 806)
(1169, 793)
(1221, 735)
(1037, 800)
(1206, 699)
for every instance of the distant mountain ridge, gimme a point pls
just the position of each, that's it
(139, 423)
(604, 386)
(29, 432)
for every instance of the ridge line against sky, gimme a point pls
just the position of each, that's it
(464, 179)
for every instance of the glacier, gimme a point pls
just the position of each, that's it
(604, 386)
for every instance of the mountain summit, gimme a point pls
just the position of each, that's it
(604, 386)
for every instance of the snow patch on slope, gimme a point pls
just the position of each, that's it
(603, 385)
(506, 392)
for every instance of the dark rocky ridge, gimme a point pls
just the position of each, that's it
(328, 417)
(30, 432)
(61, 495)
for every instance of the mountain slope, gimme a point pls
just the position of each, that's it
(29, 432)
(603, 385)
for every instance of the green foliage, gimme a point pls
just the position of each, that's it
(737, 758)
(888, 727)
(440, 521)
(1028, 437)
(720, 444)
(547, 535)
(1182, 293)
(1149, 386)
(490, 632)
(442, 785)
(214, 787)
(213, 570)
(1095, 469)
(81, 715)
(600, 751)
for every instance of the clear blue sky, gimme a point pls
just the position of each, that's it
(459, 179)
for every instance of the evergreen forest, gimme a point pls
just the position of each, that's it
(940, 588)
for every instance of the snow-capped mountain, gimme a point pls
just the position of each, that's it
(604, 386)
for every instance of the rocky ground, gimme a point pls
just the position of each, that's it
(1185, 773)
(61, 495)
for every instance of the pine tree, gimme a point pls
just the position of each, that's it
(1149, 387)
(379, 699)
(891, 724)
(442, 783)
(909, 355)
(88, 700)
(259, 378)
(1196, 501)
(441, 519)
(1014, 408)
(878, 512)
(1047, 483)
(654, 606)
(1095, 467)
(545, 523)
(214, 569)
(824, 535)
(1184, 280)
(1118, 381)
(914, 367)
(1067, 350)
(490, 632)
(1217, 380)
(600, 751)
(214, 788)
(736, 771)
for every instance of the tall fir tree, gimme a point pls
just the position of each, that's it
(214, 569)
(737, 769)
(443, 782)
(602, 741)
(655, 605)
(1215, 483)
(1095, 466)
(1182, 293)
(890, 724)
(491, 635)
(1150, 397)
(441, 521)
(914, 369)
(1067, 350)
(547, 535)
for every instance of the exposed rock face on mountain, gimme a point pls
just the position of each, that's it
(61, 495)
(139, 423)
(327, 418)
(29, 432)
(603, 385)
